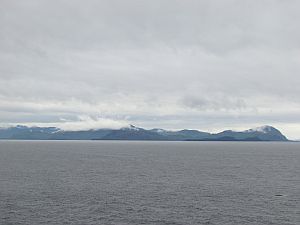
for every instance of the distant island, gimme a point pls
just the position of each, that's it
(264, 133)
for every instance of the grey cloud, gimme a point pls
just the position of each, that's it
(206, 103)
(170, 60)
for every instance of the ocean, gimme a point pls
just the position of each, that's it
(149, 182)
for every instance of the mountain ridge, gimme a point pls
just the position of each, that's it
(20, 132)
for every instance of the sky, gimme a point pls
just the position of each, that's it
(196, 64)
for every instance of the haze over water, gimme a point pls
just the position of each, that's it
(107, 182)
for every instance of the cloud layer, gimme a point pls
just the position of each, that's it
(207, 65)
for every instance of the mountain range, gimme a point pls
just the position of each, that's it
(264, 133)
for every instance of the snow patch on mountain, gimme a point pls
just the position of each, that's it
(263, 129)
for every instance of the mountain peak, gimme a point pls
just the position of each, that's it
(263, 129)
(131, 127)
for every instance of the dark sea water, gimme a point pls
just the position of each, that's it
(103, 182)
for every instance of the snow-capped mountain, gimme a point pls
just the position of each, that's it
(264, 129)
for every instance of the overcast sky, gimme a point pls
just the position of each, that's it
(203, 64)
